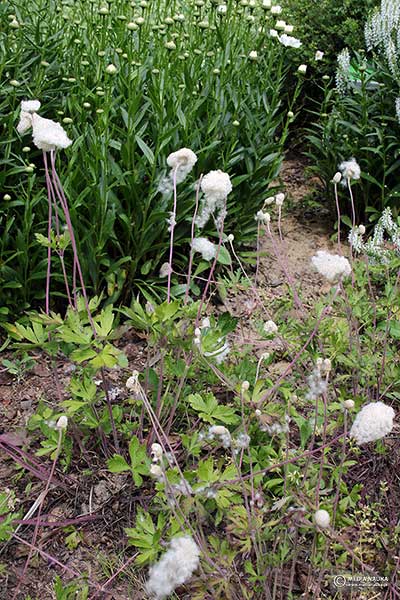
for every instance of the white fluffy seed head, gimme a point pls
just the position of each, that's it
(206, 248)
(216, 184)
(174, 568)
(373, 422)
(48, 135)
(30, 106)
(182, 158)
(322, 518)
(331, 266)
(350, 169)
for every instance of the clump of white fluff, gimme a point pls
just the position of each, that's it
(350, 169)
(331, 266)
(373, 422)
(181, 162)
(206, 248)
(216, 186)
(47, 134)
(174, 568)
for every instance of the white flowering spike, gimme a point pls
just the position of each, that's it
(174, 568)
(289, 41)
(62, 423)
(288, 29)
(322, 518)
(373, 422)
(350, 169)
(206, 248)
(270, 328)
(331, 266)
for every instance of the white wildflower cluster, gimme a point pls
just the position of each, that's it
(350, 170)
(377, 247)
(289, 41)
(207, 249)
(216, 186)
(331, 266)
(171, 221)
(397, 108)
(181, 163)
(382, 33)
(174, 568)
(342, 72)
(317, 383)
(47, 135)
(373, 422)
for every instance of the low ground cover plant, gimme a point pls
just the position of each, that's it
(232, 481)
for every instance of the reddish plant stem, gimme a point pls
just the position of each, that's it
(191, 240)
(171, 238)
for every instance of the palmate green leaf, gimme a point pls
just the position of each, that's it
(117, 464)
(139, 460)
(210, 411)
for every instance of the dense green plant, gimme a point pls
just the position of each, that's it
(359, 123)
(183, 77)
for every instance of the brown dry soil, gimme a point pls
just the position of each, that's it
(96, 549)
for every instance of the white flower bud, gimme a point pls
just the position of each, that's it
(279, 198)
(62, 422)
(361, 229)
(197, 332)
(269, 200)
(111, 69)
(337, 177)
(230, 237)
(322, 518)
(349, 404)
(253, 55)
(319, 55)
(245, 386)
(302, 69)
